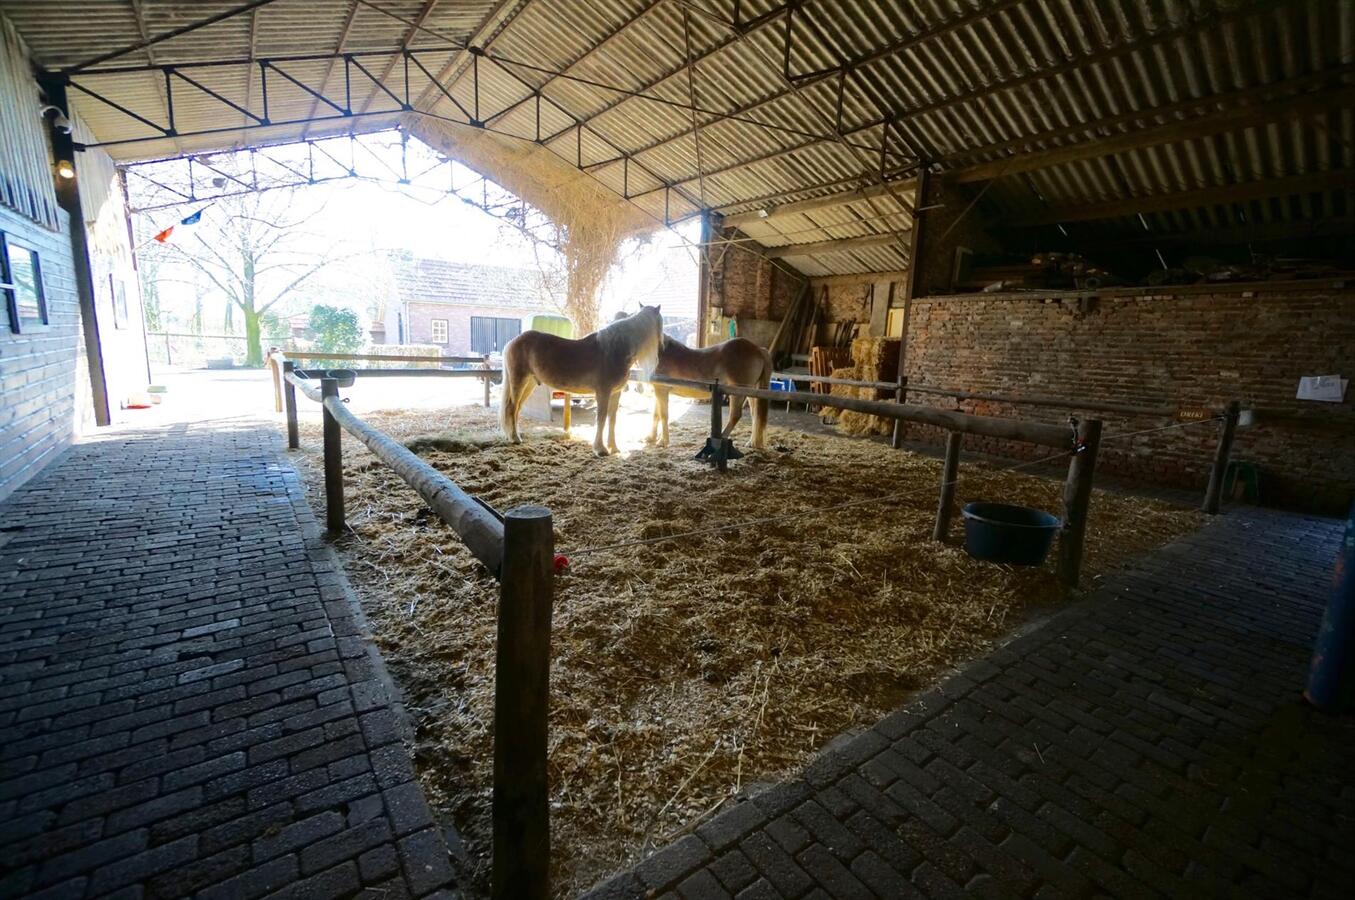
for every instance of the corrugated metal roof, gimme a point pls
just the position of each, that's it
(953, 82)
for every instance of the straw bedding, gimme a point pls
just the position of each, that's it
(683, 671)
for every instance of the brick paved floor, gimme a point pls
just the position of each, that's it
(1147, 742)
(188, 705)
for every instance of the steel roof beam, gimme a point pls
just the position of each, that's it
(329, 68)
(817, 203)
(1223, 195)
(1074, 64)
(1237, 114)
(837, 245)
(166, 36)
(802, 80)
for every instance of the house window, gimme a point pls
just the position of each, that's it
(489, 334)
(21, 284)
(119, 301)
(439, 331)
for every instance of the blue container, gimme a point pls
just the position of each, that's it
(1331, 680)
(1002, 533)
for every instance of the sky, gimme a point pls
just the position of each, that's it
(354, 217)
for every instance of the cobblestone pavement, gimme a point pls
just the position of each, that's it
(1147, 742)
(188, 703)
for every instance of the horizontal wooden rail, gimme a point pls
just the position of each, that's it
(308, 386)
(410, 373)
(827, 379)
(380, 357)
(479, 529)
(1056, 436)
(1056, 402)
(519, 548)
(206, 337)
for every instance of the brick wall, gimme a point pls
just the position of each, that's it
(1179, 349)
(421, 315)
(746, 286)
(43, 380)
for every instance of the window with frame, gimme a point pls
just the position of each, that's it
(21, 284)
(439, 331)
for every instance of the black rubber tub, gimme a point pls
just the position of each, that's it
(1002, 533)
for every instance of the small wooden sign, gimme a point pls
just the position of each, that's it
(1193, 414)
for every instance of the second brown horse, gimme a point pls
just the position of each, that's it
(738, 361)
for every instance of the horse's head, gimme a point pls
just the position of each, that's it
(650, 320)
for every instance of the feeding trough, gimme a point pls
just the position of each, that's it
(1003, 533)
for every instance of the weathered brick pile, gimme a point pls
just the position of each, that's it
(188, 702)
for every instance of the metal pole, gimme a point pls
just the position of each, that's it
(717, 399)
(521, 811)
(1214, 493)
(900, 396)
(945, 507)
(289, 403)
(334, 517)
(1077, 493)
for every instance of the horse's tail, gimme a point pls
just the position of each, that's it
(508, 412)
(761, 405)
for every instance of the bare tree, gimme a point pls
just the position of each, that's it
(253, 248)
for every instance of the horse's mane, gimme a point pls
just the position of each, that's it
(639, 334)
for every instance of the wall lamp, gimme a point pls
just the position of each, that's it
(65, 169)
(59, 121)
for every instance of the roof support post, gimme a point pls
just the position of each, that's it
(68, 197)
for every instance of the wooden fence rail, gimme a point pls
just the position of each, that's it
(519, 549)
(278, 363)
(1080, 444)
(1130, 409)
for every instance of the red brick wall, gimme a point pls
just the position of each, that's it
(421, 315)
(1178, 349)
(747, 286)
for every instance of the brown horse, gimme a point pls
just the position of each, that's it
(738, 361)
(598, 364)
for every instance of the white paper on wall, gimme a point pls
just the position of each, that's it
(1323, 388)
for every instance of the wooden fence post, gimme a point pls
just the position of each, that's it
(1077, 493)
(485, 365)
(289, 402)
(334, 518)
(900, 396)
(949, 471)
(277, 378)
(717, 401)
(1214, 493)
(521, 811)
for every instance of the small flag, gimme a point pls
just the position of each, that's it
(195, 218)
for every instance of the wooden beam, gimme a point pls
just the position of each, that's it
(1227, 194)
(838, 245)
(817, 203)
(854, 280)
(988, 426)
(1254, 115)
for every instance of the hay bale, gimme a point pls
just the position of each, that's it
(856, 423)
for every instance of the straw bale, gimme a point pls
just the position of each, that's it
(683, 671)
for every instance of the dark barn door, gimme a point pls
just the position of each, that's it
(489, 334)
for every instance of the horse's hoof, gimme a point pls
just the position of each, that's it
(600, 452)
